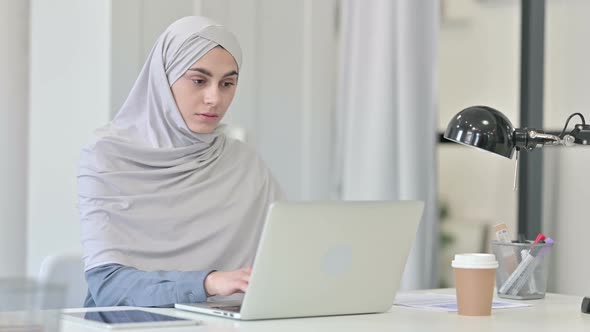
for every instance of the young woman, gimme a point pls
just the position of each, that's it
(171, 209)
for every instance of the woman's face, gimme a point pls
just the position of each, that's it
(205, 91)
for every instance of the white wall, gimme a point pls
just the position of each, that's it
(479, 64)
(566, 55)
(566, 219)
(135, 26)
(14, 36)
(566, 169)
(69, 97)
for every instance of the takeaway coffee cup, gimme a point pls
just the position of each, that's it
(474, 280)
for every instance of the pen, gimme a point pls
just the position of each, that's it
(528, 272)
(516, 274)
(532, 282)
(502, 233)
(540, 237)
(516, 277)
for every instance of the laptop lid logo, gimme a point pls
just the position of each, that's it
(337, 260)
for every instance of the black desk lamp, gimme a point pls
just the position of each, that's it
(487, 129)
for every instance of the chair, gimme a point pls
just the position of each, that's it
(66, 269)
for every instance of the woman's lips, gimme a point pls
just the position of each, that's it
(207, 117)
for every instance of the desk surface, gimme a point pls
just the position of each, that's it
(554, 313)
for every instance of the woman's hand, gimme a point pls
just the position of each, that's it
(228, 283)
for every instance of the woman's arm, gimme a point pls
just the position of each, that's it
(114, 285)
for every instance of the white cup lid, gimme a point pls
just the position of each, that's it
(475, 261)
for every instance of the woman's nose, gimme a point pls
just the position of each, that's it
(212, 96)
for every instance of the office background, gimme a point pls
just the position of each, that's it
(68, 64)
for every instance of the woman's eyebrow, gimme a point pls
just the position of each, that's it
(231, 73)
(208, 73)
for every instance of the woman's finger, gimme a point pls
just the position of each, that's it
(243, 286)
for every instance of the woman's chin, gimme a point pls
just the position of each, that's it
(202, 129)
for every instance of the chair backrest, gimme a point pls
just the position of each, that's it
(66, 269)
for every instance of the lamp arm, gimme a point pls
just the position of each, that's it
(579, 135)
(528, 139)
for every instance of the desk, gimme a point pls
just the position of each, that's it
(554, 313)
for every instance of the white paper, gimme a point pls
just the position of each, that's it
(443, 302)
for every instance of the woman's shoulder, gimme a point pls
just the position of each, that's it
(241, 150)
(236, 146)
(105, 146)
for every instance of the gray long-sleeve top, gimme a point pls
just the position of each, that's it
(118, 285)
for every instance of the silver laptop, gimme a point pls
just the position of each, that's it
(325, 258)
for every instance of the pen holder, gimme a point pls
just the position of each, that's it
(27, 305)
(523, 269)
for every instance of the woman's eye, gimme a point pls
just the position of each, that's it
(199, 82)
(228, 84)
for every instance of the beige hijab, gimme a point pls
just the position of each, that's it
(156, 196)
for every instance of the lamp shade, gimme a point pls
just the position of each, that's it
(484, 128)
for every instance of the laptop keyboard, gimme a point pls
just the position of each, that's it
(232, 308)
